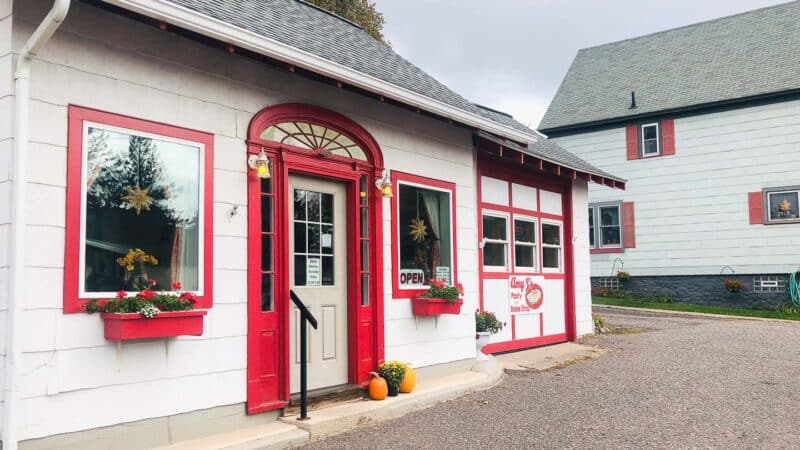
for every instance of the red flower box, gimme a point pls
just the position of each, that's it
(423, 306)
(130, 326)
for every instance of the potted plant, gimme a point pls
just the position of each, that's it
(149, 314)
(486, 324)
(623, 277)
(393, 372)
(441, 298)
(733, 286)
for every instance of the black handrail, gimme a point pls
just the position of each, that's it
(305, 316)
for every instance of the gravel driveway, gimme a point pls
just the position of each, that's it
(686, 382)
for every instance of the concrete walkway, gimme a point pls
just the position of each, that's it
(545, 358)
(338, 418)
(685, 382)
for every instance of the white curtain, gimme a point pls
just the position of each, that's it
(430, 204)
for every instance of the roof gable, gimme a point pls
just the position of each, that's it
(741, 56)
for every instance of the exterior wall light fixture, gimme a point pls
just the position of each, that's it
(260, 164)
(384, 184)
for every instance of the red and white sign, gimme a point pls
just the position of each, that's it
(525, 293)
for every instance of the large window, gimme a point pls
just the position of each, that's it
(524, 244)
(551, 247)
(782, 204)
(424, 230)
(141, 193)
(495, 241)
(605, 225)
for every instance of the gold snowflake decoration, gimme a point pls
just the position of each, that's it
(784, 206)
(418, 230)
(138, 199)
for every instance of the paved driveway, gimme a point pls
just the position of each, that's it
(686, 382)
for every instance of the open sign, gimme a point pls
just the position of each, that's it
(412, 277)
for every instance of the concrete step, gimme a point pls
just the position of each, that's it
(346, 416)
(276, 435)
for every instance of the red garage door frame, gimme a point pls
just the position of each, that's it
(497, 167)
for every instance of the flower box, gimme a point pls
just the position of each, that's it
(423, 306)
(130, 326)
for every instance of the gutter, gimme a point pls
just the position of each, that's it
(188, 19)
(671, 113)
(22, 73)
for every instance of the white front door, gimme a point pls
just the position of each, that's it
(318, 275)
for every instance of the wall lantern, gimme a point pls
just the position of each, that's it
(384, 184)
(260, 163)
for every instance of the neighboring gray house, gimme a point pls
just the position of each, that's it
(704, 123)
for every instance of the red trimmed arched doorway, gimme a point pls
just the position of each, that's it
(314, 226)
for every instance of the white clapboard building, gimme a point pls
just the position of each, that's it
(247, 150)
(704, 123)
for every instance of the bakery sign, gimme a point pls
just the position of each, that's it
(526, 293)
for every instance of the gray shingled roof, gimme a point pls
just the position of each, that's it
(548, 150)
(745, 55)
(307, 28)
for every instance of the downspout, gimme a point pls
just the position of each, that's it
(22, 74)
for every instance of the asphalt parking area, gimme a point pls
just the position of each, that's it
(685, 382)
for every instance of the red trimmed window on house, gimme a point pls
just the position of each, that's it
(611, 227)
(777, 205)
(650, 139)
(139, 209)
(423, 234)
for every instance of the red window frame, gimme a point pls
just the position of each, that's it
(397, 178)
(511, 212)
(76, 117)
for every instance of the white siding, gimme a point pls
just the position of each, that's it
(6, 142)
(77, 380)
(580, 245)
(691, 208)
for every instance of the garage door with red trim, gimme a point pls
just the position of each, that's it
(523, 257)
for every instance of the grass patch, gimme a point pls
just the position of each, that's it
(685, 307)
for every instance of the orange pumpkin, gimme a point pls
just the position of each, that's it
(378, 389)
(409, 381)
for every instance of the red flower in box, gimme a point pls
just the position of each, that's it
(440, 299)
(148, 315)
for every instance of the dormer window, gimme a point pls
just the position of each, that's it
(650, 142)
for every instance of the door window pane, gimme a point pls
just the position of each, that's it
(364, 289)
(266, 253)
(424, 235)
(299, 270)
(314, 239)
(143, 212)
(327, 208)
(327, 270)
(266, 292)
(266, 213)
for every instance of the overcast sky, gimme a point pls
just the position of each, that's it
(512, 54)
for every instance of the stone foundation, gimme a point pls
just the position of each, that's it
(758, 291)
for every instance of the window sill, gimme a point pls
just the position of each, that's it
(607, 250)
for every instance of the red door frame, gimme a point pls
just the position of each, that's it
(503, 169)
(267, 339)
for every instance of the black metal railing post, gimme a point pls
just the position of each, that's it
(305, 316)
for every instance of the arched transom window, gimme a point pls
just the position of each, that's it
(315, 137)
